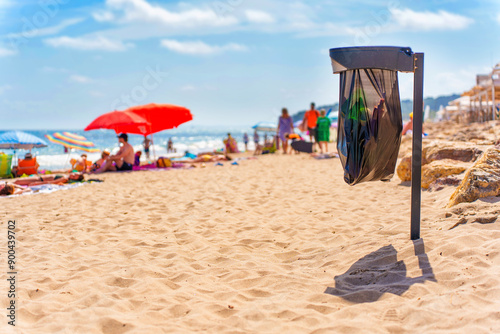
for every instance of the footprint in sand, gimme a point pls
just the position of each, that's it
(391, 315)
(109, 326)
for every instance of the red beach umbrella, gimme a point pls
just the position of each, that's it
(161, 116)
(120, 121)
(143, 120)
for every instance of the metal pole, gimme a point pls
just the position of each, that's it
(153, 145)
(493, 113)
(416, 161)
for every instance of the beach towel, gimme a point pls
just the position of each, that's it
(154, 167)
(326, 156)
(370, 124)
(47, 188)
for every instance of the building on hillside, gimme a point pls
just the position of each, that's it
(479, 104)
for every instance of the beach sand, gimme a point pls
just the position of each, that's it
(277, 244)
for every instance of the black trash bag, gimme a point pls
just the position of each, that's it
(370, 124)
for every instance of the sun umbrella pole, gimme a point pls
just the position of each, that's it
(67, 156)
(153, 144)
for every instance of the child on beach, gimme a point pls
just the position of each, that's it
(323, 131)
(293, 137)
(101, 162)
(137, 158)
(80, 165)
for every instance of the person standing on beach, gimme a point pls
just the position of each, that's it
(323, 131)
(310, 118)
(170, 145)
(124, 158)
(285, 127)
(245, 140)
(256, 138)
(146, 143)
(230, 144)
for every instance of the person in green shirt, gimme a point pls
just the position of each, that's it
(323, 131)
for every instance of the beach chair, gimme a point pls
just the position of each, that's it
(270, 147)
(27, 166)
(5, 166)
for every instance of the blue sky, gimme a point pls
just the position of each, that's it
(232, 62)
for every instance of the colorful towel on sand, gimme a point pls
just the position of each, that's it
(153, 167)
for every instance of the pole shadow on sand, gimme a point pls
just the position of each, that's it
(380, 272)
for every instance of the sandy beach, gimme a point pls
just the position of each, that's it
(277, 244)
(150, 180)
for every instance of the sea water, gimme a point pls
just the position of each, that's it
(192, 139)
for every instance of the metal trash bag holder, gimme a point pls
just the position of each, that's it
(401, 59)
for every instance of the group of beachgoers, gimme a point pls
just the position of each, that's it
(123, 160)
(315, 123)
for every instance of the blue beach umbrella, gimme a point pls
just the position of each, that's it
(15, 140)
(265, 126)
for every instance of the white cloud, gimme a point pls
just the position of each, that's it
(498, 18)
(442, 20)
(103, 16)
(4, 52)
(79, 79)
(5, 3)
(257, 16)
(141, 19)
(88, 43)
(37, 32)
(453, 81)
(199, 48)
(143, 11)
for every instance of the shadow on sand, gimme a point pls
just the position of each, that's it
(378, 273)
